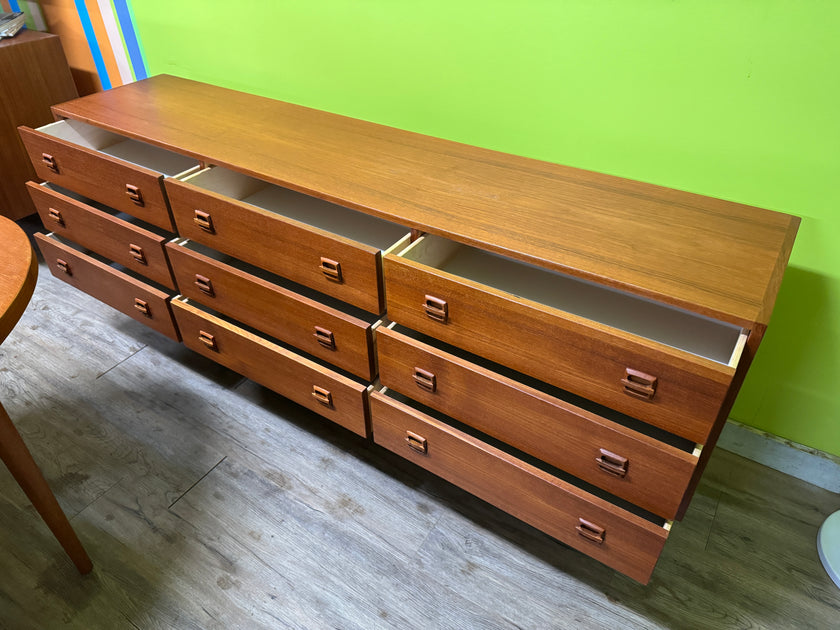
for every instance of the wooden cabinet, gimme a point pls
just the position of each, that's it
(563, 344)
(34, 75)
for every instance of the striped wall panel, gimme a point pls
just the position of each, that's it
(108, 28)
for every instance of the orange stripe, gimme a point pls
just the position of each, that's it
(104, 43)
(7, 8)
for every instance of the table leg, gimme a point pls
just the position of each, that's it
(19, 461)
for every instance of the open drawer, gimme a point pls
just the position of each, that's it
(317, 324)
(139, 299)
(115, 235)
(660, 364)
(619, 535)
(626, 457)
(322, 245)
(119, 172)
(335, 396)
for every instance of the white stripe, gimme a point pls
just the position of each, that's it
(115, 39)
(37, 16)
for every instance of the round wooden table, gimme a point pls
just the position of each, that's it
(18, 274)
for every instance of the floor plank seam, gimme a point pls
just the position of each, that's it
(198, 481)
(133, 625)
(714, 521)
(119, 363)
(426, 537)
(99, 496)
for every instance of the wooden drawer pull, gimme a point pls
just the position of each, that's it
(638, 384)
(204, 284)
(142, 306)
(62, 264)
(49, 162)
(417, 442)
(611, 463)
(137, 253)
(590, 531)
(325, 337)
(134, 194)
(331, 269)
(425, 379)
(436, 309)
(208, 340)
(55, 215)
(322, 395)
(204, 221)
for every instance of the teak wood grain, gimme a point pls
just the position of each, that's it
(273, 366)
(18, 275)
(630, 544)
(35, 76)
(99, 176)
(715, 257)
(280, 245)
(537, 423)
(109, 285)
(275, 310)
(569, 352)
(103, 233)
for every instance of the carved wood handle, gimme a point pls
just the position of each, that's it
(331, 269)
(142, 306)
(49, 162)
(611, 463)
(436, 309)
(204, 221)
(134, 194)
(322, 395)
(638, 384)
(591, 531)
(425, 379)
(325, 337)
(208, 340)
(417, 442)
(204, 284)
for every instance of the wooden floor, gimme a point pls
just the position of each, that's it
(206, 501)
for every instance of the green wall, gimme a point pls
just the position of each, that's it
(738, 100)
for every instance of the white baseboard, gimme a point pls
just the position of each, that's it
(816, 467)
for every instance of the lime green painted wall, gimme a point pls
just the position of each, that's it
(739, 100)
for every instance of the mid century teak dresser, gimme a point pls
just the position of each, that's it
(563, 344)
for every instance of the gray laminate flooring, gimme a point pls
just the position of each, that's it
(206, 501)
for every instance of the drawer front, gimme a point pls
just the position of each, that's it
(329, 334)
(582, 357)
(133, 189)
(633, 466)
(629, 544)
(128, 295)
(303, 254)
(131, 246)
(325, 392)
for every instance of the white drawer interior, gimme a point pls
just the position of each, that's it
(117, 146)
(702, 336)
(312, 211)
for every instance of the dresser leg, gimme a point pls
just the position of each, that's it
(19, 461)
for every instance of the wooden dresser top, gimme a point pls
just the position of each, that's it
(715, 257)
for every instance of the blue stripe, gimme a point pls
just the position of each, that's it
(14, 6)
(130, 39)
(81, 9)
